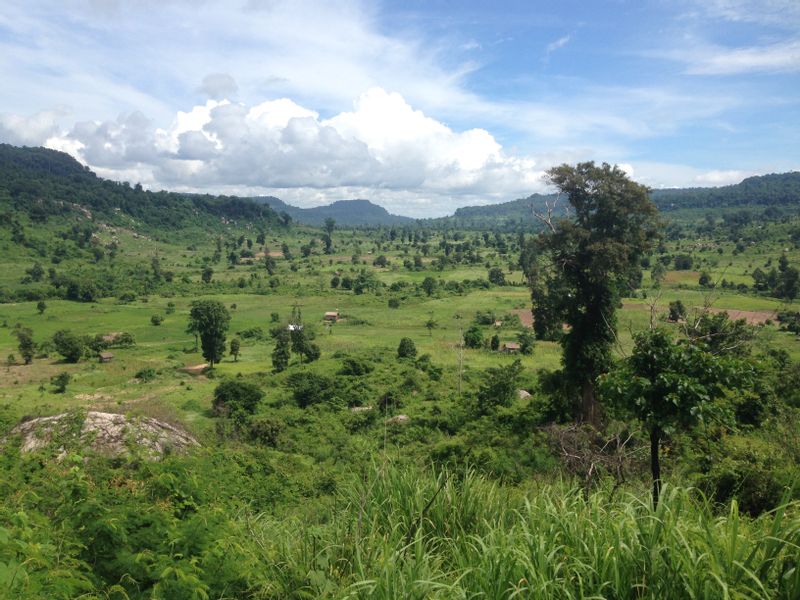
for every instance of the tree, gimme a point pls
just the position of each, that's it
(207, 274)
(236, 396)
(68, 345)
(330, 225)
(496, 276)
(473, 337)
(593, 258)
(41, 306)
(281, 354)
(494, 343)
(429, 285)
(677, 311)
(210, 319)
(668, 386)
(235, 347)
(526, 341)
(26, 345)
(498, 387)
(406, 349)
(431, 324)
(60, 382)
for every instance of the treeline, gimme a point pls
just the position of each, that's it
(46, 183)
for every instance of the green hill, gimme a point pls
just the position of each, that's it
(45, 183)
(352, 213)
(765, 190)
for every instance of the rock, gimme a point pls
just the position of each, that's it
(106, 433)
(399, 420)
(358, 409)
(522, 394)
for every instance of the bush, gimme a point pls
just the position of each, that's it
(355, 367)
(60, 382)
(146, 374)
(473, 337)
(753, 471)
(68, 345)
(266, 430)
(394, 303)
(406, 349)
(156, 320)
(236, 396)
(310, 388)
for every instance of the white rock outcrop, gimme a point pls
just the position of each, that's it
(110, 434)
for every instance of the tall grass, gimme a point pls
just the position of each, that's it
(398, 534)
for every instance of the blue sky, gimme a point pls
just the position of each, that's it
(419, 106)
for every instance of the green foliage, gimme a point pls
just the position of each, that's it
(60, 382)
(407, 348)
(156, 320)
(356, 367)
(499, 387)
(236, 345)
(25, 344)
(592, 260)
(234, 396)
(68, 345)
(496, 276)
(309, 389)
(473, 337)
(677, 311)
(210, 319)
(281, 353)
(147, 374)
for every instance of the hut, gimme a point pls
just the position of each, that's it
(332, 316)
(510, 348)
(106, 357)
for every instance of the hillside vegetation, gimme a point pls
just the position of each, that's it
(398, 411)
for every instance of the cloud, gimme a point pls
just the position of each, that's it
(218, 86)
(559, 43)
(382, 148)
(778, 57)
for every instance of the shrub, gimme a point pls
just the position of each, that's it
(236, 396)
(394, 303)
(473, 337)
(310, 388)
(266, 430)
(60, 382)
(406, 349)
(156, 320)
(68, 345)
(146, 374)
(355, 367)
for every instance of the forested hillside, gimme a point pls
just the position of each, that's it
(777, 190)
(44, 183)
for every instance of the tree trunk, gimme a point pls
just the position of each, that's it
(655, 464)
(590, 409)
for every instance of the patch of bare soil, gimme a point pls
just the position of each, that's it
(525, 316)
(753, 317)
(194, 369)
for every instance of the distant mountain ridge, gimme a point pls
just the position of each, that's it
(781, 189)
(351, 213)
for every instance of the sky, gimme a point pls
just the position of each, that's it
(420, 106)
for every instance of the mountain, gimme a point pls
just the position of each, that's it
(765, 190)
(46, 183)
(349, 213)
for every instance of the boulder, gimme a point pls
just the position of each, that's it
(109, 434)
(399, 420)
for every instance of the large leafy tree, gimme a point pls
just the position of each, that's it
(210, 320)
(582, 264)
